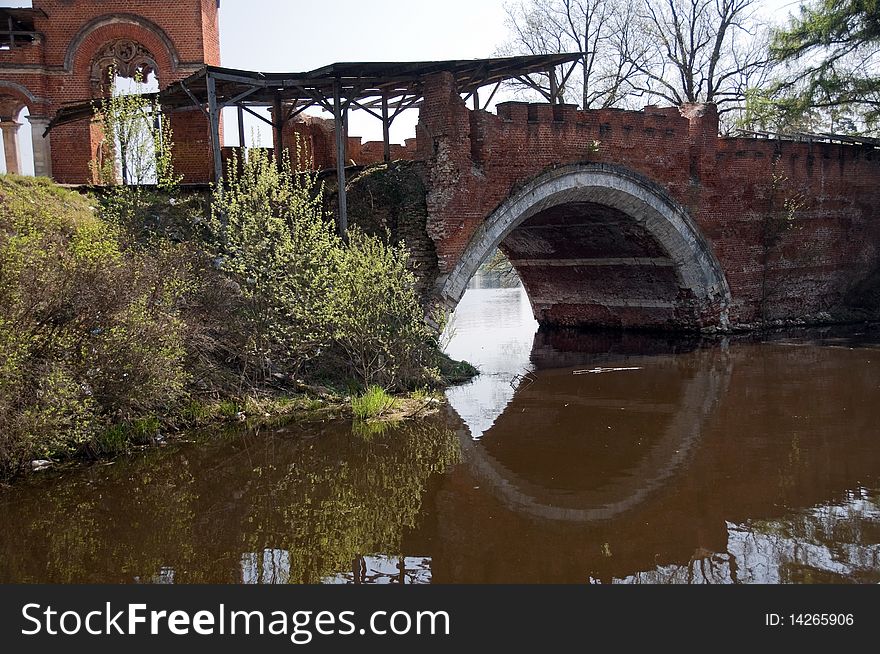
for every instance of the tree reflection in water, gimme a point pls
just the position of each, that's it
(289, 506)
(829, 543)
(683, 462)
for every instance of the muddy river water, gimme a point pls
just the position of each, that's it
(584, 458)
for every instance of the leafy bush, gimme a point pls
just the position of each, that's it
(89, 330)
(274, 243)
(379, 331)
(314, 304)
(113, 314)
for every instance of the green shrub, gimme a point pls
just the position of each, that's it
(90, 331)
(312, 303)
(274, 243)
(372, 403)
(379, 330)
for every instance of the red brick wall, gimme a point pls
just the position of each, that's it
(318, 135)
(192, 154)
(316, 139)
(732, 188)
(181, 36)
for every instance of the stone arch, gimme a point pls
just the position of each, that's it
(704, 290)
(21, 94)
(139, 22)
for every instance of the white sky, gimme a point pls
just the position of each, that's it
(298, 35)
(301, 36)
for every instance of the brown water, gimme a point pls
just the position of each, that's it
(572, 458)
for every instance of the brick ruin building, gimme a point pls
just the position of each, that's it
(59, 52)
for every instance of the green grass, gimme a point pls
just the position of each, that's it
(228, 409)
(372, 403)
(456, 372)
(110, 442)
(118, 439)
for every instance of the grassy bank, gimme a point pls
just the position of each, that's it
(129, 314)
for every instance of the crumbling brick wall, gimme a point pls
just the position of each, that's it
(794, 226)
(58, 68)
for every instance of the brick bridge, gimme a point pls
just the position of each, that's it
(646, 218)
(611, 218)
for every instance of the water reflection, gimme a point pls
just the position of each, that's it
(823, 544)
(494, 329)
(291, 506)
(636, 458)
(587, 458)
(585, 447)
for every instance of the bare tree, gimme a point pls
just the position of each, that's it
(648, 51)
(601, 30)
(699, 51)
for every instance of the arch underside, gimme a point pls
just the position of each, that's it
(584, 263)
(599, 246)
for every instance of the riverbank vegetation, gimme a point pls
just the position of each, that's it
(129, 312)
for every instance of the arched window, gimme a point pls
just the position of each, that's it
(16, 157)
(123, 68)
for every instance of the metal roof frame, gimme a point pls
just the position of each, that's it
(382, 89)
(813, 137)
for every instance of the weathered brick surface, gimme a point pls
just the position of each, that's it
(738, 191)
(58, 68)
(318, 138)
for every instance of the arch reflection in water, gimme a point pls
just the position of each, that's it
(729, 462)
(586, 447)
(738, 462)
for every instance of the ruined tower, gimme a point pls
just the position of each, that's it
(58, 52)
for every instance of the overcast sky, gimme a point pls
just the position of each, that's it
(297, 35)
(300, 36)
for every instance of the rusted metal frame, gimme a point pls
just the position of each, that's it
(554, 86)
(256, 115)
(476, 96)
(492, 94)
(367, 109)
(316, 96)
(194, 99)
(386, 130)
(571, 68)
(478, 74)
(376, 104)
(296, 111)
(240, 115)
(239, 79)
(278, 128)
(527, 81)
(214, 120)
(238, 98)
(340, 110)
(403, 106)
